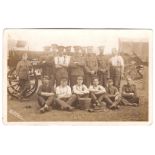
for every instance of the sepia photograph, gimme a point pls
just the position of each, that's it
(77, 75)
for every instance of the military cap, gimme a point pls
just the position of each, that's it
(80, 78)
(101, 47)
(54, 45)
(64, 78)
(68, 47)
(110, 80)
(45, 77)
(90, 48)
(61, 47)
(76, 47)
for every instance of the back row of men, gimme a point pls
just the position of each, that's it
(89, 68)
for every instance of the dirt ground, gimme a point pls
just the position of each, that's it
(18, 113)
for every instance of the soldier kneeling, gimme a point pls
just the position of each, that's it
(45, 94)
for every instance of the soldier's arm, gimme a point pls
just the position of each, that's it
(76, 91)
(72, 64)
(122, 65)
(18, 68)
(135, 90)
(86, 90)
(47, 94)
(82, 62)
(91, 89)
(39, 90)
(87, 69)
(108, 67)
(101, 91)
(96, 66)
(124, 93)
(68, 93)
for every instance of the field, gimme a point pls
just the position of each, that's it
(17, 112)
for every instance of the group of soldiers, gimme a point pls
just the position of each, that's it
(68, 77)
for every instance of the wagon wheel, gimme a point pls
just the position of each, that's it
(14, 87)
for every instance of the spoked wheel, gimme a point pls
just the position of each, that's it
(14, 86)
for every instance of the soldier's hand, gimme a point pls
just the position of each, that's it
(17, 78)
(92, 72)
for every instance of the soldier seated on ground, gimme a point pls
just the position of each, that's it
(45, 94)
(98, 94)
(80, 90)
(113, 94)
(129, 93)
(64, 98)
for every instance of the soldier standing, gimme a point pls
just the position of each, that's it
(91, 66)
(22, 70)
(61, 65)
(76, 66)
(116, 67)
(48, 68)
(102, 67)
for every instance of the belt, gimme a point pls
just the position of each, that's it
(117, 66)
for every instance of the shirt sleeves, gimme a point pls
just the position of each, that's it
(57, 91)
(69, 92)
(75, 90)
(121, 61)
(91, 88)
(102, 88)
(86, 90)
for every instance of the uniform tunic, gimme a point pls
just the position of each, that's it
(113, 94)
(102, 69)
(91, 64)
(76, 69)
(22, 71)
(127, 89)
(42, 100)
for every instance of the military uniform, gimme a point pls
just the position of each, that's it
(113, 94)
(102, 69)
(76, 66)
(90, 65)
(127, 97)
(48, 100)
(22, 71)
(48, 69)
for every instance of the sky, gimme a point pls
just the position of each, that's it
(109, 38)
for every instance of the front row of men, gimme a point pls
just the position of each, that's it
(65, 98)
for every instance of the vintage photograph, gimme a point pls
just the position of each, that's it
(77, 75)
